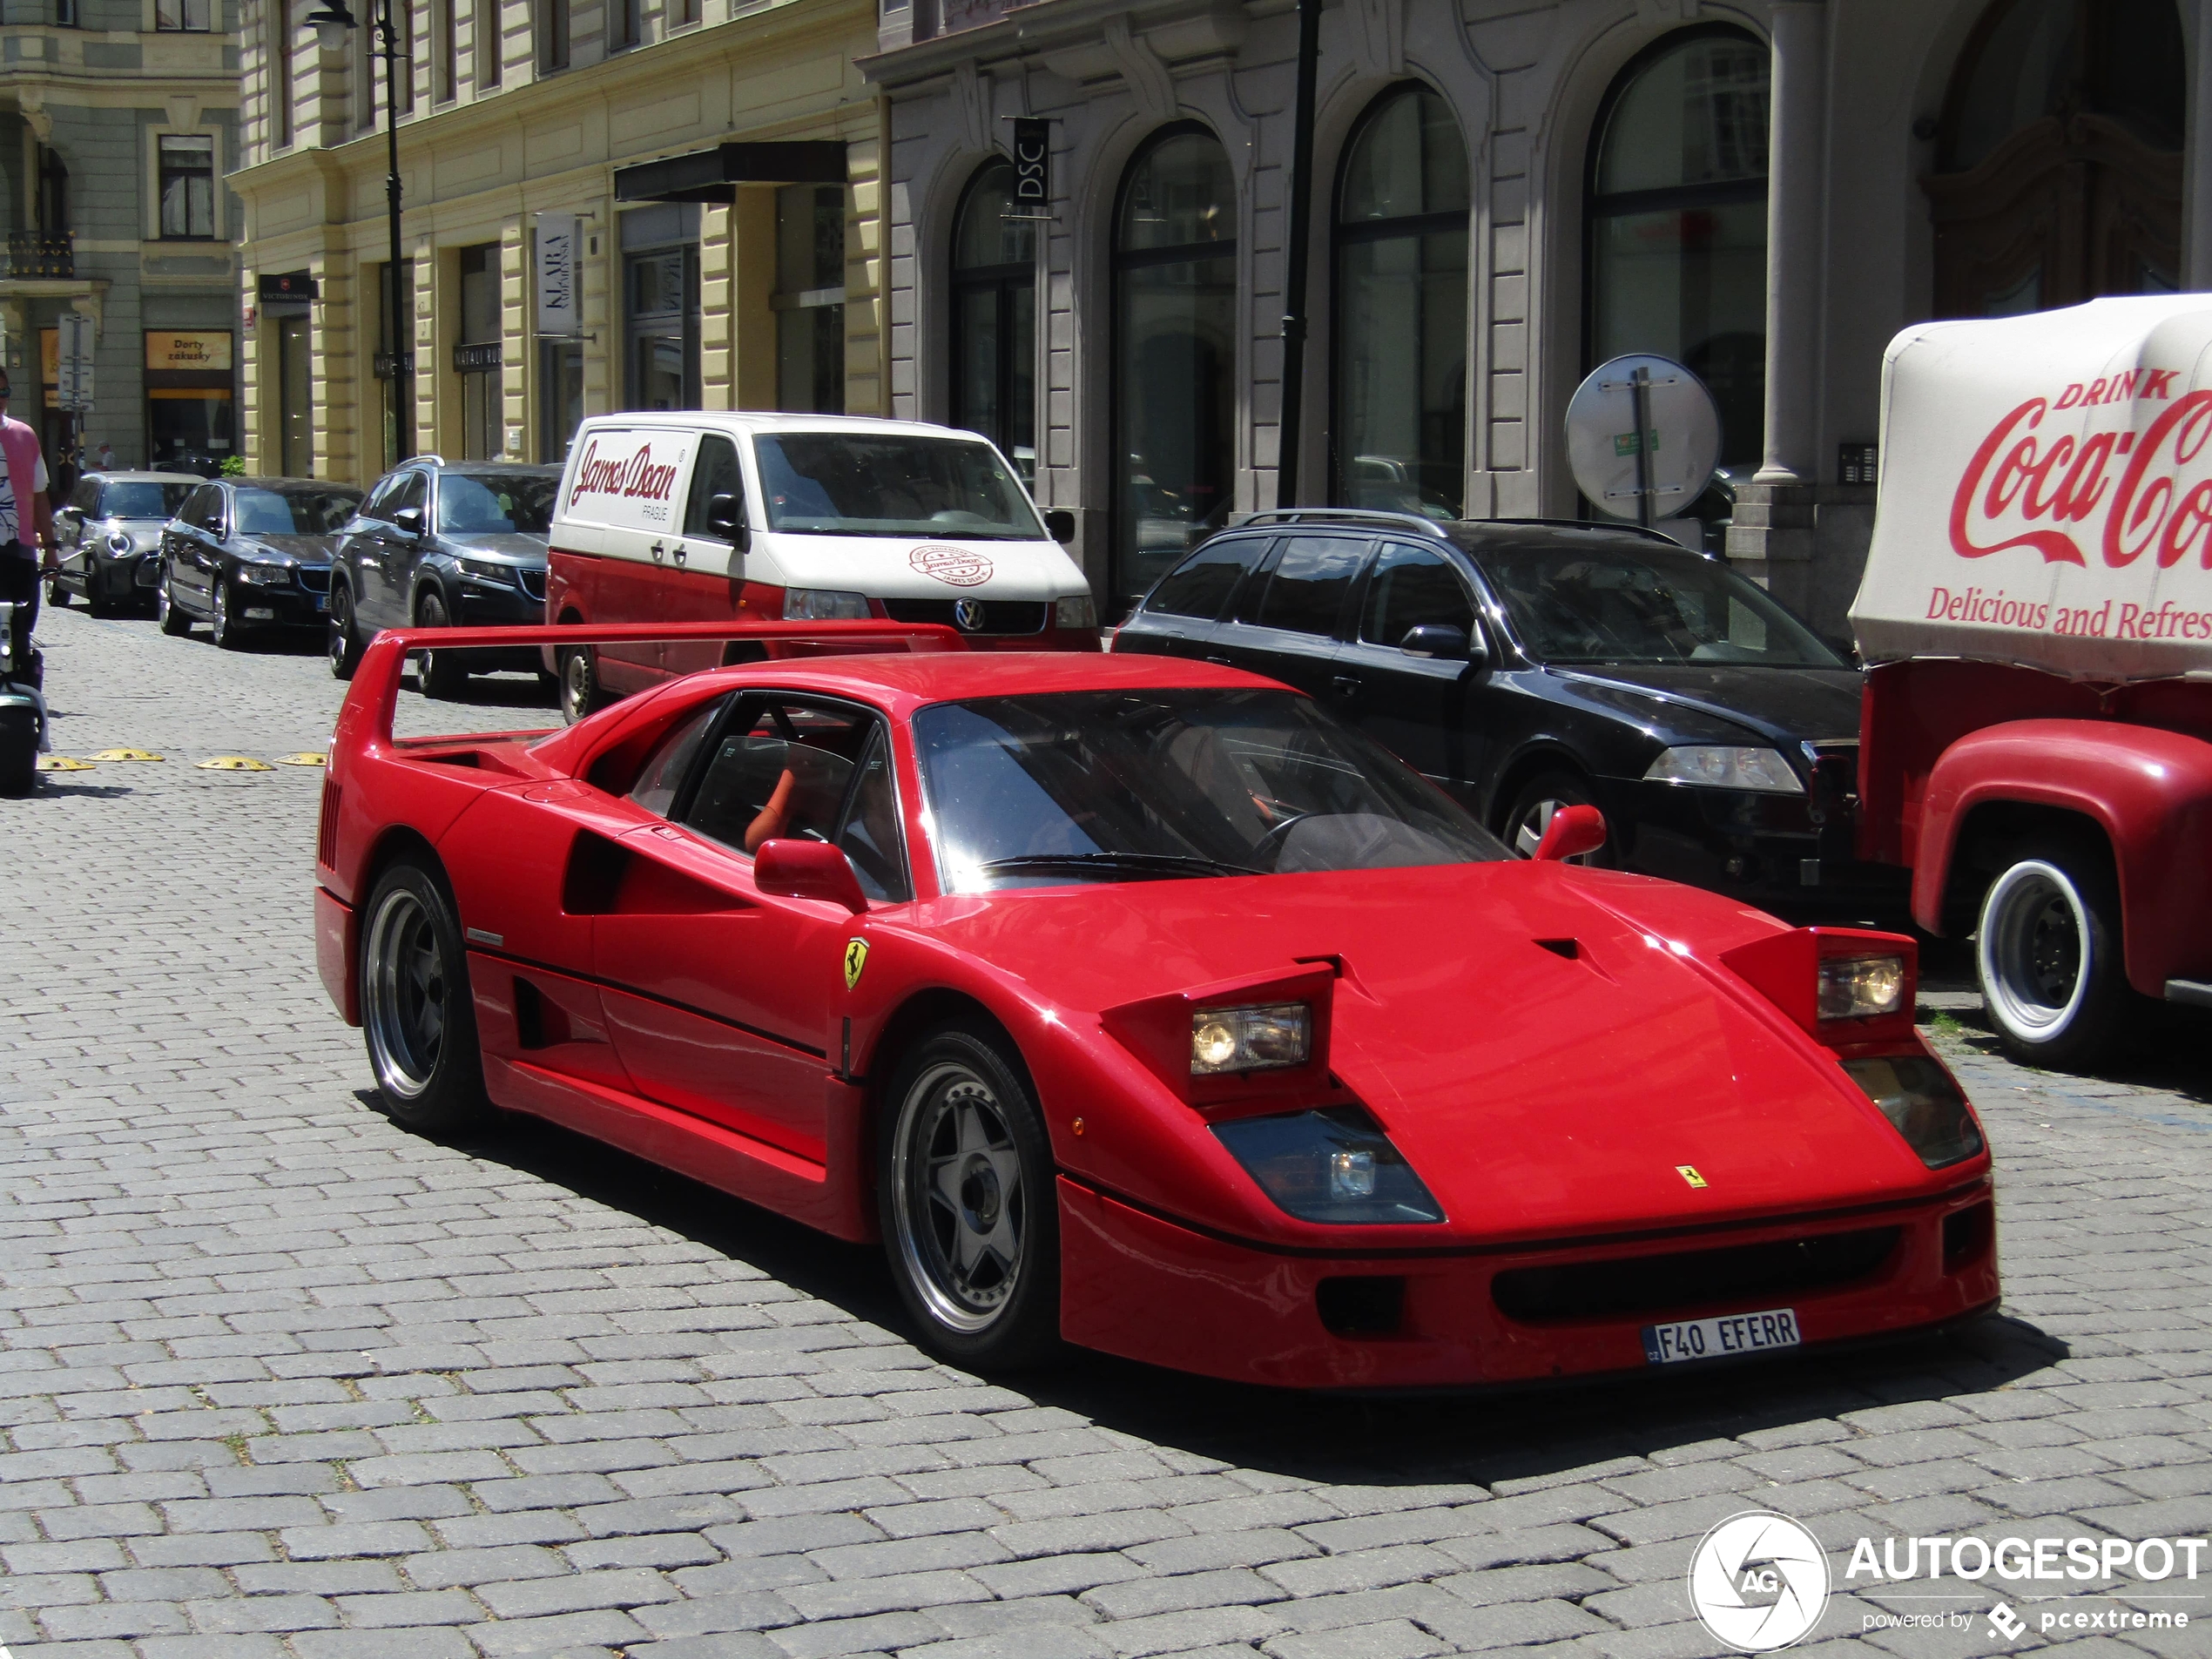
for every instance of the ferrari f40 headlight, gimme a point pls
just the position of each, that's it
(265, 575)
(1335, 1166)
(1719, 766)
(1861, 987)
(1075, 612)
(1252, 1039)
(824, 604)
(1917, 1095)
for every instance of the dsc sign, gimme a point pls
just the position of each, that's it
(1032, 166)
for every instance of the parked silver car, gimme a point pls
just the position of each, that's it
(108, 537)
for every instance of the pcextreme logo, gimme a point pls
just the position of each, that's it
(1758, 1580)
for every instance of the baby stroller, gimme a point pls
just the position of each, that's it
(22, 709)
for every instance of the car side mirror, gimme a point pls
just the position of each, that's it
(796, 869)
(725, 520)
(1573, 832)
(1060, 524)
(408, 520)
(1435, 639)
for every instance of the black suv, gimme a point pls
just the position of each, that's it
(1528, 664)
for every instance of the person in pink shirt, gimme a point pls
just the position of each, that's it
(23, 507)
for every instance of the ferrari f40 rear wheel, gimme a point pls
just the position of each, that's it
(970, 1218)
(416, 1014)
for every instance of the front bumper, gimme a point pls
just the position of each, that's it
(305, 603)
(1146, 1287)
(1763, 849)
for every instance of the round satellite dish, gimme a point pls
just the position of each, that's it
(1658, 477)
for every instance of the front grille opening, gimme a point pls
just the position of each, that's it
(315, 581)
(1967, 1236)
(1361, 1307)
(1779, 1269)
(1000, 616)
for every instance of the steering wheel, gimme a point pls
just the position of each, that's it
(1274, 835)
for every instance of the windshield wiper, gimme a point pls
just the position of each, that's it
(1136, 864)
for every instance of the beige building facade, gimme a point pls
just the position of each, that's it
(711, 167)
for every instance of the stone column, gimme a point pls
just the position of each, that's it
(1796, 193)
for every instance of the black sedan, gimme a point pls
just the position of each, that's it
(1525, 666)
(246, 554)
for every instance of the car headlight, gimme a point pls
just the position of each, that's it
(1720, 765)
(265, 575)
(501, 575)
(121, 545)
(1249, 1039)
(1075, 611)
(1861, 987)
(824, 604)
(1335, 1166)
(1917, 1095)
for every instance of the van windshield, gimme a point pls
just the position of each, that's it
(866, 483)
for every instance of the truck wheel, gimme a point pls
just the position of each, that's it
(580, 693)
(2048, 956)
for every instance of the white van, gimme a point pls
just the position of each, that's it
(693, 516)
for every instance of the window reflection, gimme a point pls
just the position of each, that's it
(995, 318)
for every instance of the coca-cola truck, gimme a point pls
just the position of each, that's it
(2036, 741)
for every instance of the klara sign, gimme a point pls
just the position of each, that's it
(556, 275)
(2049, 496)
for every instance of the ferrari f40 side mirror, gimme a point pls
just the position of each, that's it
(796, 869)
(1573, 831)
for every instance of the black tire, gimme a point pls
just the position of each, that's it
(996, 1203)
(578, 673)
(418, 1017)
(1522, 827)
(57, 595)
(174, 622)
(441, 674)
(2047, 954)
(18, 750)
(222, 627)
(342, 645)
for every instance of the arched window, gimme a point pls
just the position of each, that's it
(994, 318)
(1174, 353)
(2059, 157)
(1399, 437)
(1675, 225)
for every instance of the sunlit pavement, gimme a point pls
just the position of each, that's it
(278, 1378)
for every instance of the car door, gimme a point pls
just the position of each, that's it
(1417, 707)
(199, 530)
(1286, 619)
(1179, 616)
(722, 998)
(390, 574)
(708, 576)
(70, 544)
(358, 549)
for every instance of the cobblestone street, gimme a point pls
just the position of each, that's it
(278, 1378)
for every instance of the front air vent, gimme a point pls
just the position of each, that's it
(1685, 1282)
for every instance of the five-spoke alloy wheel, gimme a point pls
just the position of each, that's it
(416, 1015)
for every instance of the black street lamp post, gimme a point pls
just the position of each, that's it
(331, 24)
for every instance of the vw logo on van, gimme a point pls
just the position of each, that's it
(956, 565)
(968, 613)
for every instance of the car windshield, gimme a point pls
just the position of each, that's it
(1143, 786)
(144, 498)
(475, 503)
(865, 483)
(1644, 605)
(294, 512)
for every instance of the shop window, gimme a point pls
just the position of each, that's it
(994, 318)
(1675, 228)
(393, 371)
(662, 291)
(560, 396)
(478, 357)
(2059, 157)
(1174, 355)
(809, 301)
(187, 186)
(198, 15)
(1399, 436)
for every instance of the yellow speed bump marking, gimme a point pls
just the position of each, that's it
(232, 763)
(126, 754)
(63, 763)
(305, 757)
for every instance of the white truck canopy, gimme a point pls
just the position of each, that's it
(2046, 493)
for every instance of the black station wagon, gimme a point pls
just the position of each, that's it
(1525, 666)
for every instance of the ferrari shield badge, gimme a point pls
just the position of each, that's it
(856, 958)
(1686, 1171)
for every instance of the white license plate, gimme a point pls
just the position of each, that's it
(1721, 1339)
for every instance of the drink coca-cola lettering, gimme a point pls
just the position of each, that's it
(2129, 491)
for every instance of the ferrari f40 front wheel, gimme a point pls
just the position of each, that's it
(969, 1215)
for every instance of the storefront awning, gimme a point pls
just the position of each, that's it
(709, 175)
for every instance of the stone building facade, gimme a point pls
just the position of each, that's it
(1504, 194)
(715, 159)
(118, 123)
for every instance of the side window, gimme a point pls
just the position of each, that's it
(715, 472)
(781, 769)
(664, 774)
(1410, 586)
(869, 835)
(86, 498)
(414, 491)
(205, 502)
(1305, 590)
(1201, 584)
